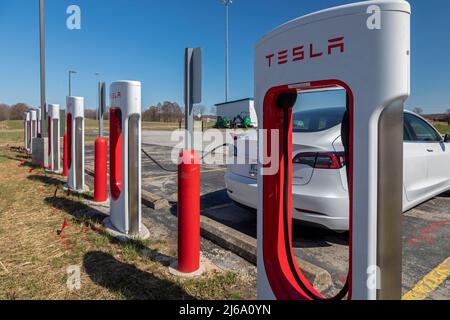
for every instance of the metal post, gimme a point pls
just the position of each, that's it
(226, 51)
(226, 3)
(101, 106)
(42, 63)
(192, 90)
(188, 114)
(97, 115)
(70, 82)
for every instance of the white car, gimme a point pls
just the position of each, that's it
(320, 191)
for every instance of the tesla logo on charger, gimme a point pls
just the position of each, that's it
(300, 53)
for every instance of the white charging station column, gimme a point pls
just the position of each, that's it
(27, 131)
(39, 121)
(75, 135)
(33, 127)
(125, 160)
(54, 138)
(336, 49)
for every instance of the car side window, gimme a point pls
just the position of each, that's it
(406, 133)
(418, 130)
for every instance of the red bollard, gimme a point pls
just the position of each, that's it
(100, 179)
(65, 156)
(189, 212)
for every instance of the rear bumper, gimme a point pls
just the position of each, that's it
(242, 190)
(320, 207)
(323, 208)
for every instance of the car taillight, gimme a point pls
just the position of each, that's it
(321, 160)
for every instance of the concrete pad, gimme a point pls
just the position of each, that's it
(173, 269)
(85, 189)
(144, 234)
(40, 151)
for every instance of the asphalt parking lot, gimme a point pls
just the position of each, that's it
(426, 228)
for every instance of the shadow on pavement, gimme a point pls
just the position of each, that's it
(50, 181)
(46, 179)
(308, 236)
(76, 209)
(91, 218)
(132, 283)
(445, 195)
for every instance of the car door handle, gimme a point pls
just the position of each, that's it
(430, 150)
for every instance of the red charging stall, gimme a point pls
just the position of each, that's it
(75, 144)
(125, 161)
(336, 49)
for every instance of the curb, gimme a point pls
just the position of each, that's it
(228, 238)
(152, 201)
(148, 198)
(246, 247)
(235, 241)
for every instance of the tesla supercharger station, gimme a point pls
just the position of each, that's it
(75, 137)
(125, 160)
(27, 131)
(364, 49)
(54, 138)
(33, 127)
(39, 119)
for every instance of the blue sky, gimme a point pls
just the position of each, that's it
(145, 40)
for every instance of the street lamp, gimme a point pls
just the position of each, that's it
(42, 65)
(226, 3)
(70, 81)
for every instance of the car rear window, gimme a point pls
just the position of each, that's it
(320, 119)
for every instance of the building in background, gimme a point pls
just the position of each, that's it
(237, 111)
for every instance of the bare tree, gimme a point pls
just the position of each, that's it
(17, 111)
(418, 110)
(163, 112)
(4, 112)
(199, 110)
(90, 114)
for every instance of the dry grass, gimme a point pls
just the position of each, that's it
(442, 127)
(11, 132)
(34, 258)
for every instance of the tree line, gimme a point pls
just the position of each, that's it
(163, 112)
(14, 112)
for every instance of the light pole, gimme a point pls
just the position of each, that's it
(70, 81)
(42, 63)
(97, 74)
(226, 3)
(101, 105)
